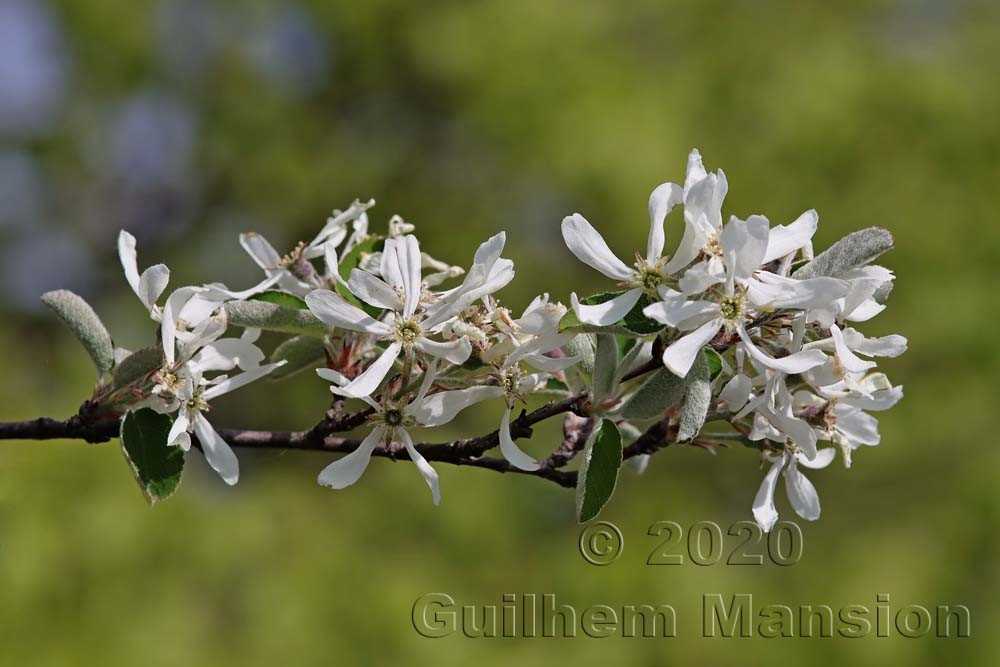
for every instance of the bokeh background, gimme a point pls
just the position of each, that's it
(190, 121)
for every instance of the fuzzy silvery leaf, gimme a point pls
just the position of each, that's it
(605, 368)
(300, 353)
(697, 399)
(598, 476)
(661, 390)
(281, 299)
(882, 293)
(85, 324)
(582, 346)
(136, 366)
(855, 249)
(272, 317)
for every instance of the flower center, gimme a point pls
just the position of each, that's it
(297, 264)
(393, 417)
(731, 309)
(407, 331)
(648, 276)
(713, 247)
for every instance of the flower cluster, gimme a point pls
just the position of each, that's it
(796, 378)
(742, 326)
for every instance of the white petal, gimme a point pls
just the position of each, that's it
(848, 359)
(609, 312)
(695, 169)
(373, 290)
(178, 436)
(241, 380)
(348, 469)
(409, 265)
(226, 354)
(701, 276)
(442, 407)
(454, 351)
(692, 242)
(763, 504)
(661, 201)
(744, 243)
(824, 457)
(736, 393)
(152, 283)
(389, 264)
(430, 475)
(680, 355)
(794, 429)
(878, 400)
(489, 251)
(590, 248)
(677, 312)
(859, 427)
(336, 311)
(768, 290)
(801, 493)
(792, 364)
(786, 239)
(510, 450)
(549, 364)
(333, 376)
(367, 382)
(217, 451)
(171, 315)
(261, 252)
(127, 255)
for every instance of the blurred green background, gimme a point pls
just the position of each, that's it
(188, 122)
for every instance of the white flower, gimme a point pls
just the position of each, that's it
(404, 328)
(741, 297)
(390, 421)
(703, 229)
(646, 276)
(801, 493)
(153, 281)
(295, 272)
(192, 349)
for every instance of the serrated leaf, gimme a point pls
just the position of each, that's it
(300, 353)
(272, 317)
(136, 366)
(351, 261)
(281, 299)
(855, 249)
(660, 390)
(634, 324)
(605, 368)
(85, 325)
(714, 362)
(157, 466)
(598, 476)
(697, 399)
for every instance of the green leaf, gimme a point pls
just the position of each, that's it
(137, 366)
(697, 399)
(272, 317)
(351, 261)
(85, 324)
(555, 384)
(661, 390)
(714, 362)
(582, 346)
(605, 368)
(157, 467)
(281, 299)
(299, 353)
(855, 249)
(598, 476)
(634, 324)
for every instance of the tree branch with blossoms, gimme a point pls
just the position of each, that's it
(740, 336)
